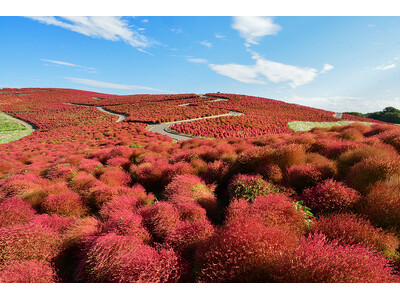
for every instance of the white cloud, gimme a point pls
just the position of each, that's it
(344, 103)
(371, 25)
(198, 60)
(63, 63)
(108, 28)
(206, 44)
(326, 68)
(383, 67)
(265, 70)
(219, 36)
(109, 85)
(252, 29)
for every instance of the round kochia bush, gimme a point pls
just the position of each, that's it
(117, 258)
(318, 260)
(330, 196)
(244, 250)
(28, 271)
(249, 187)
(348, 228)
(15, 211)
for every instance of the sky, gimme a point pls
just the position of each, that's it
(334, 63)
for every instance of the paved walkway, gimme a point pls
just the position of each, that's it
(120, 116)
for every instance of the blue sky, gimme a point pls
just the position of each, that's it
(334, 63)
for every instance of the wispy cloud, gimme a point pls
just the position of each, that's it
(219, 36)
(197, 60)
(206, 44)
(384, 67)
(108, 28)
(252, 29)
(264, 71)
(326, 68)
(63, 63)
(109, 85)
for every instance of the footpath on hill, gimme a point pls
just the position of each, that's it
(164, 128)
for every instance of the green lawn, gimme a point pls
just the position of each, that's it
(11, 130)
(305, 126)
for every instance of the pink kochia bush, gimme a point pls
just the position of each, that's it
(193, 187)
(330, 196)
(276, 209)
(28, 271)
(117, 258)
(15, 211)
(249, 187)
(348, 228)
(318, 260)
(67, 203)
(244, 250)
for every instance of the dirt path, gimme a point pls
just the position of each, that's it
(27, 124)
(120, 116)
(163, 128)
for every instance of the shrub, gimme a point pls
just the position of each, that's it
(348, 228)
(127, 223)
(193, 187)
(318, 260)
(15, 211)
(54, 222)
(189, 235)
(28, 271)
(392, 138)
(115, 258)
(289, 155)
(301, 177)
(159, 219)
(114, 176)
(190, 211)
(370, 171)
(330, 196)
(67, 203)
(351, 134)
(172, 171)
(149, 174)
(80, 229)
(29, 241)
(119, 205)
(351, 157)
(325, 166)
(82, 184)
(382, 204)
(270, 172)
(272, 210)
(216, 172)
(243, 251)
(249, 187)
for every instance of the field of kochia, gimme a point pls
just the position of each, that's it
(86, 199)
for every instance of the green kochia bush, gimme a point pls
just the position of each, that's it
(249, 187)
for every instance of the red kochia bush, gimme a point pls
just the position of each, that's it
(245, 250)
(348, 228)
(116, 258)
(382, 204)
(159, 219)
(193, 187)
(276, 209)
(67, 203)
(115, 176)
(301, 177)
(128, 223)
(330, 196)
(29, 241)
(317, 260)
(15, 211)
(289, 155)
(28, 271)
(370, 171)
(249, 187)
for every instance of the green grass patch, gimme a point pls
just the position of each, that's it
(306, 126)
(11, 130)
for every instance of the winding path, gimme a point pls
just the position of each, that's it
(164, 128)
(27, 124)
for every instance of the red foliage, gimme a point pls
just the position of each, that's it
(243, 251)
(29, 241)
(116, 258)
(318, 260)
(193, 187)
(382, 204)
(66, 203)
(249, 187)
(351, 229)
(28, 271)
(15, 211)
(301, 177)
(289, 155)
(330, 196)
(115, 176)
